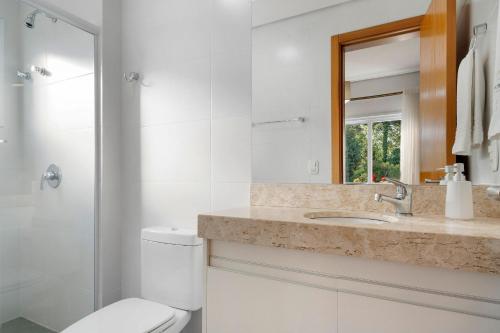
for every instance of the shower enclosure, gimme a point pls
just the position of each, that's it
(48, 169)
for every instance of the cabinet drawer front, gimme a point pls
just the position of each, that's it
(366, 314)
(250, 304)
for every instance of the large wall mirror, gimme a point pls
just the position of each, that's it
(348, 98)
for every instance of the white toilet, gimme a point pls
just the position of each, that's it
(171, 287)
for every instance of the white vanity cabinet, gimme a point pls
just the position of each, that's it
(253, 289)
(250, 304)
(367, 314)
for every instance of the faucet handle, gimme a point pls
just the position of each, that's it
(395, 182)
(401, 188)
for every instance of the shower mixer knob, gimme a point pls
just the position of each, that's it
(52, 177)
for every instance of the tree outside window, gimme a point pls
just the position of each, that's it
(372, 151)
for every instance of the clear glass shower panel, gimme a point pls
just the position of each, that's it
(47, 170)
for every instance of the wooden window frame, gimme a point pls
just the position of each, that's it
(339, 44)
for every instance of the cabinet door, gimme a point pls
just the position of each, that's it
(248, 304)
(365, 314)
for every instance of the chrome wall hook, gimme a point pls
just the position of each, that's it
(131, 77)
(24, 75)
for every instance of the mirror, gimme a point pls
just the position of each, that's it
(381, 94)
(340, 96)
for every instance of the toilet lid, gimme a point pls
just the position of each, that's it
(131, 315)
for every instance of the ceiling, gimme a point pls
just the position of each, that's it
(395, 58)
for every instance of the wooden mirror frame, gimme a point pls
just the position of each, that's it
(438, 73)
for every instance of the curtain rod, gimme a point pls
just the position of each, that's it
(375, 96)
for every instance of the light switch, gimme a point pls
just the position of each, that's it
(313, 167)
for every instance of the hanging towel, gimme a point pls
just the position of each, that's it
(479, 98)
(463, 135)
(494, 130)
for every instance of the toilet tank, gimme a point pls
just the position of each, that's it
(171, 267)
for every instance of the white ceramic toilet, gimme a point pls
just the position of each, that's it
(171, 287)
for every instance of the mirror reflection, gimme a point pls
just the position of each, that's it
(343, 101)
(381, 123)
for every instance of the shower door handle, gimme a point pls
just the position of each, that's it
(52, 177)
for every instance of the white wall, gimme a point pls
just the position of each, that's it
(476, 12)
(291, 78)
(111, 196)
(268, 11)
(186, 125)
(15, 214)
(15, 201)
(11, 153)
(88, 10)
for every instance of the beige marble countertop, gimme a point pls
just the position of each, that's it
(433, 241)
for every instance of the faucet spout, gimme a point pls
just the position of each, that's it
(402, 201)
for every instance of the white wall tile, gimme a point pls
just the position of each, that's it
(231, 149)
(173, 92)
(232, 20)
(186, 126)
(231, 84)
(176, 153)
(69, 52)
(174, 204)
(230, 195)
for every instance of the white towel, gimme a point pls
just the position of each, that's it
(463, 135)
(494, 130)
(479, 98)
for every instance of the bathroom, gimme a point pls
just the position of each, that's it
(210, 166)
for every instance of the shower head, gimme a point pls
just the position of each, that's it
(30, 19)
(29, 22)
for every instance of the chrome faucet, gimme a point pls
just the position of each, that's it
(403, 199)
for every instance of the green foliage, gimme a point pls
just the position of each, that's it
(356, 153)
(386, 140)
(386, 150)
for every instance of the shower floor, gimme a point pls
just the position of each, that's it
(21, 325)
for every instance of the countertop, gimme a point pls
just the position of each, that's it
(432, 241)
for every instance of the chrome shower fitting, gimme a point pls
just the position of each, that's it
(31, 18)
(52, 177)
(40, 70)
(131, 77)
(24, 75)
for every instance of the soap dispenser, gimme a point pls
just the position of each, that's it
(459, 204)
(449, 174)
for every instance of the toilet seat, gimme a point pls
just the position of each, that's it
(131, 315)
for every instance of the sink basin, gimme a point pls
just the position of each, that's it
(350, 217)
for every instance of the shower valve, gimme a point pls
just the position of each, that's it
(52, 177)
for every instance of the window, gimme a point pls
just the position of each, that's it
(372, 149)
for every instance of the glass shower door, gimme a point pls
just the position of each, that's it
(47, 176)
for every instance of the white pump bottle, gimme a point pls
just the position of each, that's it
(459, 203)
